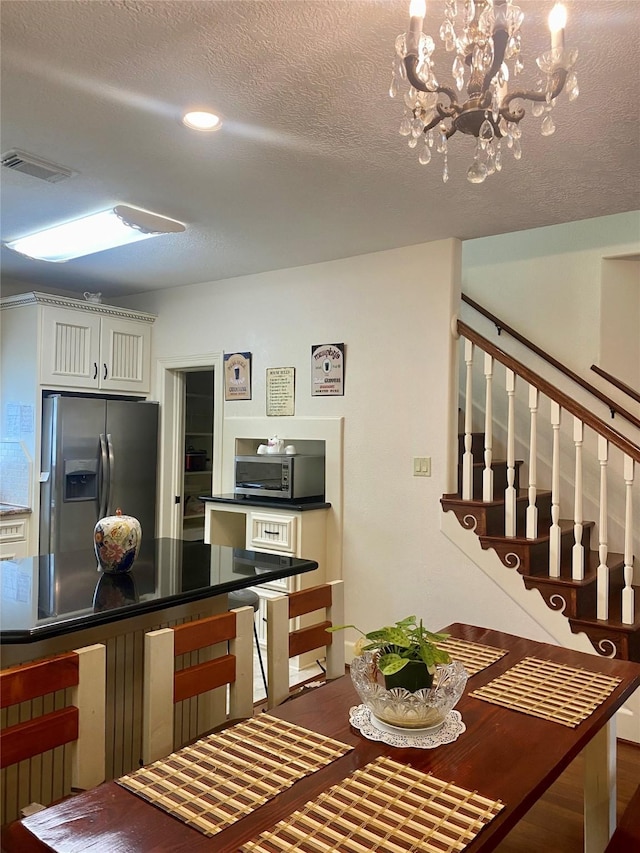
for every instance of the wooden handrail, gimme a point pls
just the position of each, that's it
(614, 407)
(565, 402)
(617, 382)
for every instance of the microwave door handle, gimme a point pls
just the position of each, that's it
(104, 476)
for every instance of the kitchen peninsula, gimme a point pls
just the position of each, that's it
(58, 602)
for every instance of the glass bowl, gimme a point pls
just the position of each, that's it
(424, 709)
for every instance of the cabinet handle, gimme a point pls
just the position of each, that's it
(272, 532)
(105, 371)
(95, 369)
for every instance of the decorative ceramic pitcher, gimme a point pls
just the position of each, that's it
(116, 539)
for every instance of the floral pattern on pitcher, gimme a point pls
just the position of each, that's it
(116, 540)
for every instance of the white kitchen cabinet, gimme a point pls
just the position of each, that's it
(14, 533)
(88, 350)
(59, 343)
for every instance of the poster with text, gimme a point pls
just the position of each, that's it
(237, 376)
(280, 391)
(327, 370)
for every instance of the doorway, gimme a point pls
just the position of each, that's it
(191, 417)
(198, 451)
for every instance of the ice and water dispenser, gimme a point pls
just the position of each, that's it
(80, 479)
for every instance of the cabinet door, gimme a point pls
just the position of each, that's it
(125, 356)
(70, 348)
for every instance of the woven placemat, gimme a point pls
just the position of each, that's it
(386, 807)
(225, 776)
(473, 656)
(553, 691)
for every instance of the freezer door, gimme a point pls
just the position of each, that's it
(70, 466)
(132, 440)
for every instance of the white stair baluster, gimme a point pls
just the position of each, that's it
(467, 456)
(628, 594)
(510, 491)
(532, 509)
(487, 474)
(554, 530)
(577, 552)
(603, 569)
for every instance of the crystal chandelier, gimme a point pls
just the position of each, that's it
(484, 37)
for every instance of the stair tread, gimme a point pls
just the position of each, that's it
(522, 495)
(592, 560)
(566, 526)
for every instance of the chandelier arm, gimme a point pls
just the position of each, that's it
(411, 63)
(559, 78)
(500, 39)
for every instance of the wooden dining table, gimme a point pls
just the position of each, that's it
(503, 754)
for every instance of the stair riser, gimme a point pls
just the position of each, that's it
(532, 558)
(574, 601)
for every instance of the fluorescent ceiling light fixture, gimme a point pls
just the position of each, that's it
(202, 120)
(105, 230)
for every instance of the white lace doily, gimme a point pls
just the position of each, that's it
(362, 719)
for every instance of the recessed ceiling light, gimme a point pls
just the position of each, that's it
(105, 230)
(202, 120)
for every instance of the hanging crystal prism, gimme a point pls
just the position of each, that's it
(412, 142)
(572, 86)
(425, 155)
(498, 157)
(548, 127)
(537, 108)
(394, 87)
(477, 172)
(458, 72)
(405, 125)
(517, 149)
(445, 169)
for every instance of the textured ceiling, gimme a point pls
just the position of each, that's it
(309, 165)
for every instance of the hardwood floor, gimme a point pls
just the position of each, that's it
(554, 823)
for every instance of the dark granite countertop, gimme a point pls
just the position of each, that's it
(300, 505)
(56, 594)
(14, 509)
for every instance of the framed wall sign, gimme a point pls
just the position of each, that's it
(237, 376)
(281, 391)
(327, 370)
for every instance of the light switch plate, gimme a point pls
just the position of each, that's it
(421, 466)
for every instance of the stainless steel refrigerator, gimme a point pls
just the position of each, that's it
(98, 455)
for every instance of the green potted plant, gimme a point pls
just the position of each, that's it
(407, 654)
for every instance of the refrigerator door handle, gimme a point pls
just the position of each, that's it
(112, 469)
(104, 476)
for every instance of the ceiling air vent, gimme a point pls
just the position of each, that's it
(20, 161)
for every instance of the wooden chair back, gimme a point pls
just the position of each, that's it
(165, 686)
(284, 643)
(81, 724)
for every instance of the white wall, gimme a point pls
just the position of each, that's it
(392, 310)
(620, 320)
(546, 283)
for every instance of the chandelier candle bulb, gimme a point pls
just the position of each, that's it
(557, 23)
(417, 11)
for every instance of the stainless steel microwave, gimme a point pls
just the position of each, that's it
(282, 477)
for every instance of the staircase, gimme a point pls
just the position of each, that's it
(540, 533)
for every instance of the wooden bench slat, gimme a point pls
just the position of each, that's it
(306, 639)
(308, 600)
(205, 632)
(203, 676)
(27, 681)
(40, 734)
